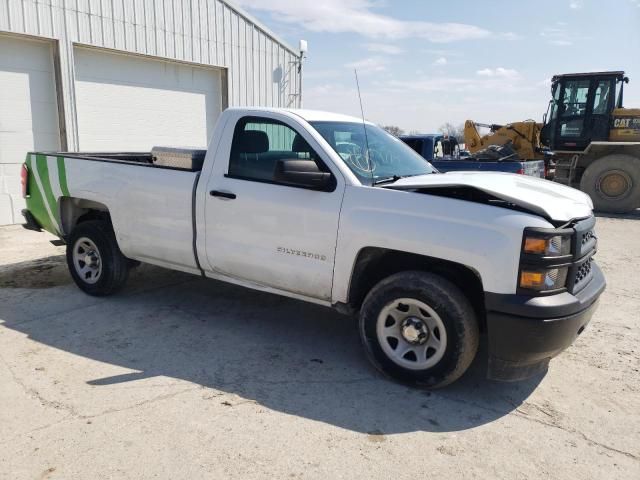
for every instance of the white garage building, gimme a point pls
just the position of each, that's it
(96, 75)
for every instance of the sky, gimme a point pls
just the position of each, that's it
(423, 63)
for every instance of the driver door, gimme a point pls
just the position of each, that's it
(263, 231)
(602, 105)
(573, 113)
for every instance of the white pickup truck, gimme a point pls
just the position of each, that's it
(332, 210)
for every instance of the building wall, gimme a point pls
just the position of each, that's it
(260, 69)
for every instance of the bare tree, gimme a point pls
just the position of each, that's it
(453, 131)
(394, 130)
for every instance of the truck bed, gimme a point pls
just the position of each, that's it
(534, 168)
(144, 199)
(139, 158)
(425, 146)
(144, 159)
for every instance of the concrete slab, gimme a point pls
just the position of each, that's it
(184, 378)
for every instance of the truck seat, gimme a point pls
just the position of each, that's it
(253, 159)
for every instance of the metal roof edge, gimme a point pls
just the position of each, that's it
(242, 12)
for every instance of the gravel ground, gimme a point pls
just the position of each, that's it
(183, 378)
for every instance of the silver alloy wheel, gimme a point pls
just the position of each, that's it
(86, 260)
(411, 334)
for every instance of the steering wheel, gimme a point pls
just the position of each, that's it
(359, 162)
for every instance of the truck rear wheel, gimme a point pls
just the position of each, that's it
(613, 183)
(94, 259)
(419, 328)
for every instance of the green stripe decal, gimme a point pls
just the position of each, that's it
(62, 175)
(36, 202)
(43, 170)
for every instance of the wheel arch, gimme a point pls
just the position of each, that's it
(596, 151)
(100, 252)
(373, 264)
(74, 211)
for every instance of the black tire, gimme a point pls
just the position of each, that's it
(452, 307)
(622, 170)
(114, 267)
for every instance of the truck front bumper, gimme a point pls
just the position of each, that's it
(526, 332)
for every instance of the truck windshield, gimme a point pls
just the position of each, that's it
(388, 158)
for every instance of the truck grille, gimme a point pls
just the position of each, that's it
(585, 244)
(583, 272)
(587, 236)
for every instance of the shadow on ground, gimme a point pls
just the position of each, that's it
(287, 355)
(635, 215)
(40, 273)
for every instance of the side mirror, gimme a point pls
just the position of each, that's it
(303, 173)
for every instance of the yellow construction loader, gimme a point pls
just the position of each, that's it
(595, 140)
(523, 137)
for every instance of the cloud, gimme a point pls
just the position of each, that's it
(446, 53)
(575, 4)
(425, 102)
(440, 61)
(511, 36)
(544, 83)
(561, 43)
(368, 65)
(383, 48)
(358, 16)
(434, 84)
(499, 72)
(310, 74)
(557, 35)
(488, 83)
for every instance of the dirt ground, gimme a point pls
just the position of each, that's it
(183, 378)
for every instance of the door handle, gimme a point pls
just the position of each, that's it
(227, 195)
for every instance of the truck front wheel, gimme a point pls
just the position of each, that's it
(613, 183)
(94, 259)
(419, 328)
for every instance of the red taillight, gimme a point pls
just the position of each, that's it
(520, 171)
(24, 180)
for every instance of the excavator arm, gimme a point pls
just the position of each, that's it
(523, 137)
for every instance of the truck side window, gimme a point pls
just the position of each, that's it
(601, 100)
(415, 143)
(447, 147)
(438, 150)
(258, 145)
(575, 97)
(574, 108)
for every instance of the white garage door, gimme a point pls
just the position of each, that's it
(28, 114)
(128, 102)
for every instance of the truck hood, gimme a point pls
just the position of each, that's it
(542, 197)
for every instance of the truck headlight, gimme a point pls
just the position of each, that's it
(545, 260)
(555, 246)
(543, 280)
